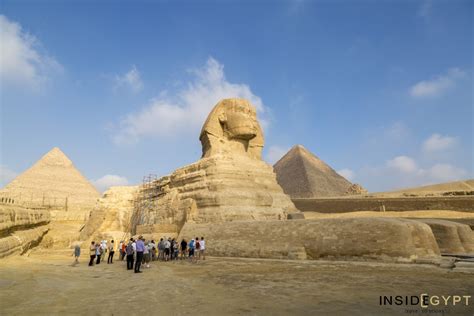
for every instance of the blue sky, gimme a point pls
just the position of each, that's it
(380, 90)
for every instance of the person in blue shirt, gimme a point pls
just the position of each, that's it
(191, 250)
(140, 250)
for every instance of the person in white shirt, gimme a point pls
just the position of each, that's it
(146, 255)
(202, 250)
(134, 245)
(167, 249)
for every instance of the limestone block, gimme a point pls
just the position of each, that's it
(452, 237)
(14, 217)
(112, 216)
(376, 238)
(20, 241)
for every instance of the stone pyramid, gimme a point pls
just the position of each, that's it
(301, 174)
(50, 181)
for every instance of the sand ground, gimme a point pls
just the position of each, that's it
(447, 214)
(49, 285)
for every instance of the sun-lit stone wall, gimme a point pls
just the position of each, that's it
(378, 238)
(21, 228)
(452, 237)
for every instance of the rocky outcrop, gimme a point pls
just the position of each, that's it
(374, 238)
(452, 237)
(16, 217)
(21, 241)
(230, 182)
(21, 228)
(356, 189)
(111, 219)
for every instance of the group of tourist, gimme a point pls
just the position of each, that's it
(98, 250)
(141, 251)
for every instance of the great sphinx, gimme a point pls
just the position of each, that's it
(229, 183)
(232, 129)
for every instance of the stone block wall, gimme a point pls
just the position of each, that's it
(353, 204)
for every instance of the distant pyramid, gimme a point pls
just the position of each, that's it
(50, 181)
(303, 175)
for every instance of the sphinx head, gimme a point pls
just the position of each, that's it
(232, 128)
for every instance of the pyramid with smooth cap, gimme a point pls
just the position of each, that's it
(53, 181)
(302, 174)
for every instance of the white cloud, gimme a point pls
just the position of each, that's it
(437, 86)
(274, 153)
(402, 163)
(21, 61)
(131, 79)
(108, 181)
(187, 109)
(6, 175)
(442, 172)
(347, 173)
(437, 142)
(404, 172)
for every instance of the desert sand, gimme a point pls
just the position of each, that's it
(435, 189)
(48, 284)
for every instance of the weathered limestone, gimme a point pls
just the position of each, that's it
(356, 189)
(15, 217)
(229, 183)
(377, 238)
(452, 237)
(111, 219)
(232, 129)
(21, 241)
(21, 228)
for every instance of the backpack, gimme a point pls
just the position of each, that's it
(129, 249)
(198, 245)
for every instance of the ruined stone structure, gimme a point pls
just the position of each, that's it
(21, 228)
(111, 218)
(229, 183)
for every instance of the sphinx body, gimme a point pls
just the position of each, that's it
(230, 182)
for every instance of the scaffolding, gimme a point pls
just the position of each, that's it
(144, 201)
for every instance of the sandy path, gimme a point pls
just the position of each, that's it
(39, 285)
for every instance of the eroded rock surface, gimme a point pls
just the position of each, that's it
(21, 228)
(376, 238)
(452, 237)
(111, 219)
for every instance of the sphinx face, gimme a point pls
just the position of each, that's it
(241, 121)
